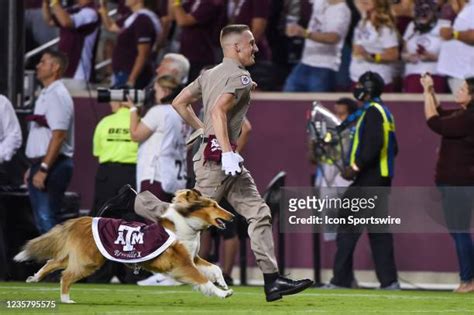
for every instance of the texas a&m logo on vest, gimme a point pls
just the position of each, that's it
(128, 236)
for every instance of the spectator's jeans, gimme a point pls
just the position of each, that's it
(119, 79)
(457, 207)
(304, 78)
(46, 204)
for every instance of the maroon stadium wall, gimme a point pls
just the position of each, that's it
(279, 142)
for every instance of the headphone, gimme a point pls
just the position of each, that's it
(372, 85)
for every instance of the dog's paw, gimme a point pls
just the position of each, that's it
(222, 284)
(66, 300)
(31, 279)
(228, 293)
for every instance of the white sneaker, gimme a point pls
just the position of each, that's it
(158, 279)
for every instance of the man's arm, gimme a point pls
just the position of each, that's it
(64, 19)
(223, 105)
(57, 139)
(47, 15)
(244, 135)
(258, 27)
(109, 24)
(448, 33)
(182, 104)
(181, 16)
(144, 51)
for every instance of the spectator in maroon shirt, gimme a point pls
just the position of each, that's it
(78, 34)
(37, 31)
(455, 170)
(200, 22)
(132, 57)
(255, 14)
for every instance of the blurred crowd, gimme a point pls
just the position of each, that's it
(304, 45)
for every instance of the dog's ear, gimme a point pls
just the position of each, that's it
(197, 192)
(193, 195)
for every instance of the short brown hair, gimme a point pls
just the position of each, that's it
(60, 58)
(233, 29)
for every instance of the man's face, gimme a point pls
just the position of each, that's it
(341, 111)
(46, 68)
(246, 49)
(166, 68)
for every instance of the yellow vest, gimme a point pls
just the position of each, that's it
(112, 142)
(386, 154)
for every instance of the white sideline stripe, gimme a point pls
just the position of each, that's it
(312, 311)
(394, 297)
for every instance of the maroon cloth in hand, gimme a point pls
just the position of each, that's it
(39, 119)
(130, 242)
(213, 151)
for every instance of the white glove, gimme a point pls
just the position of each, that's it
(230, 163)
(239, 157)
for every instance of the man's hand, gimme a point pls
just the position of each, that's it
(446, 33)
(294, 30)
(349, 173)
(230, 163)
(427, 82)
(39, 179)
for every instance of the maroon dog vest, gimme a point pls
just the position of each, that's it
(130, 242)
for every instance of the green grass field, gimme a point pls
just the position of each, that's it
(132, 299)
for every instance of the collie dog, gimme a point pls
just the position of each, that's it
(71, 246)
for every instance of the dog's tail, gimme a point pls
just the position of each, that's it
(47, 246)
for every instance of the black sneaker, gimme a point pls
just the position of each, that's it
(228, 279)
(124, 202)
(283, 286)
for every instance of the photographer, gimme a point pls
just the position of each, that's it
(372, 158)
(161, 164)
(455, 167)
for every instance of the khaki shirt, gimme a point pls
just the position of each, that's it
(227, 77)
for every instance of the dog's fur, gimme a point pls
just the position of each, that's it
(70, 246)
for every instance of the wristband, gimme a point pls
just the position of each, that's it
(44, 167)
(456, 35)
(177, 3)
(378, 58)
(133, 109)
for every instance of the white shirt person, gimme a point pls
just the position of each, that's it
(10, 131)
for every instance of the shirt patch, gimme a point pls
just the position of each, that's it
(245, 79)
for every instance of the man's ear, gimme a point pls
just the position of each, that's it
(237, 48)
(57, 68)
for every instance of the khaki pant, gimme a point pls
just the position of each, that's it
(241, 192)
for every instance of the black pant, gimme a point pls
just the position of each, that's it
(381, 241)
(109, 179)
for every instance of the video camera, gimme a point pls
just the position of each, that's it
(330, 143)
